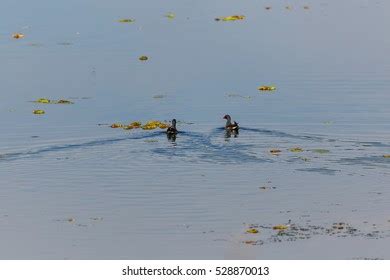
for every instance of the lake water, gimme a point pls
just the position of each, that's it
(71, 187)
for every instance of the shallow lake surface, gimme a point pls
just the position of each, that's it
(71, 187)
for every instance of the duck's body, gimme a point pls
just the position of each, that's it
(172, 129)
(231, 126)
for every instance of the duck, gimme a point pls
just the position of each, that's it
(172, 128)
(230, 126)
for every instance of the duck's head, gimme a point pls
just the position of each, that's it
(227, 117)
(173, 122)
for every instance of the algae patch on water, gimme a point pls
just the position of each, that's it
(267, 88)
(230, 18)
(252, 231)
(296, 150)
(38, 112)
(126, 20)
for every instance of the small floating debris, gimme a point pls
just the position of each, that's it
(143, 58)
(43, 100)
(288, 8)
(239, 95)
(126, 20)
(267, 88)
(170, 15)
(386, 156)
(296, 150)
(266, 188)
(116, 125)
(150, 140)
(71, 220)
(18, 35)
(64, 44)
(159, 96)
(231, 18)
(48, 101)
(275, 152)
(268, 7)
(252, 231)
(63, 101)
(306, 7)
(38, 112)
(280, 227)
(320, 151)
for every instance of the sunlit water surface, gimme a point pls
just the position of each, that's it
(72, 187)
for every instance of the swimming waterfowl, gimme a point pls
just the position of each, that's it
(172, 128)
(230, 126)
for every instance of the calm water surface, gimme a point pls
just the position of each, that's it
(71, 188)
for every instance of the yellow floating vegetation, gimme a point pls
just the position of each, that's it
(38, 112)
(126, 20)
(170, 15)
(116, 125)
(43, 100)
(280, 227)
(18, 35)
(150, 125)
(275, 151)
(386, 156)
(48, 101)
(252, 230)
(267, 88)
(296, 150)
(231, 18)
(136, 124)
(128, 127)
(163, 125)
(143, 58)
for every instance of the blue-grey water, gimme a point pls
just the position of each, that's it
(71, 187)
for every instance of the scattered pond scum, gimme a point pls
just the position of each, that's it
(295, 232)
(143, 58)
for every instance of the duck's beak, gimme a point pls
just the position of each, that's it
(224, 117)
